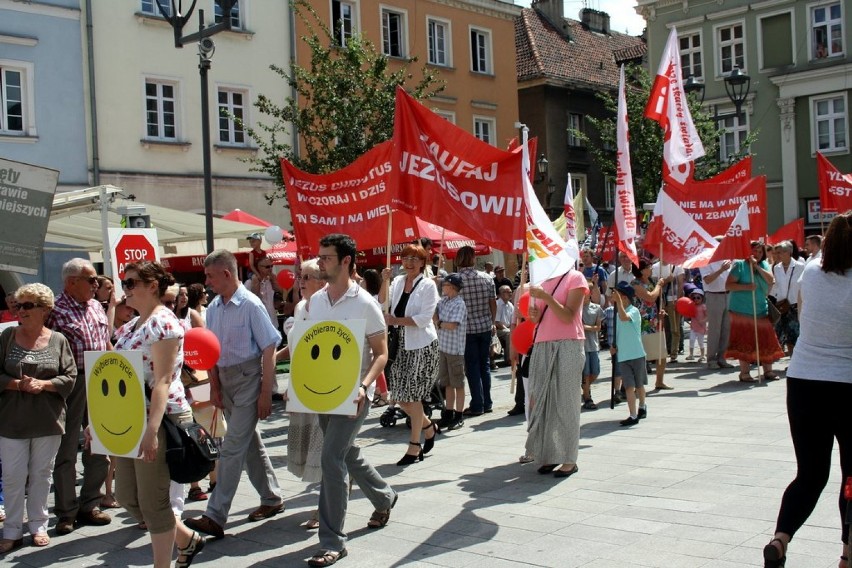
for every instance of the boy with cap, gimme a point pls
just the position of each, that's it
(451, 322)
(630, 353)
(256, 254)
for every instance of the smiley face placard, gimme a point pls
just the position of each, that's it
(115, 394)
(325, 366)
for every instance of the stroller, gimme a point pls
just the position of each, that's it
(434, 401)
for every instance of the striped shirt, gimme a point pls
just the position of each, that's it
(242, 326)
(85, 326)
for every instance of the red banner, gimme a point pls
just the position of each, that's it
(448, 176)
(835, 189)
(792, 231)
(715, 205)
(354, 200)
(737, 173)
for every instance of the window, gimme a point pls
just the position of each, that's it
(439, 42)
(830, 126)
(393, 33)
(776, 41)
(342, 21)
(446, 115)
(827, 30)
(484, 128)
(236, 21)
(13, 99)
(150, 7)
(480, 51)
(730, 43)
(575, 126)
(690, 56)
(160, 110)
(232, 102)
(732, 139)
(609, 193)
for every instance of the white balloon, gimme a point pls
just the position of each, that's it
(273, 234)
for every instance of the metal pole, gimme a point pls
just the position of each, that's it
(203, 68)
(104, 198)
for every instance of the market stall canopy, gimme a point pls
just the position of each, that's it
(75, 221)
(451, 241)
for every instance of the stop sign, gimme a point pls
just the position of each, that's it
(133, 248)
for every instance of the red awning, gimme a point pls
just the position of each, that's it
(243, 217)
(452, 242)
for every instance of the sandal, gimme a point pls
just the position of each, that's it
(197, 494)
(772, 557)
(771, 376)
(8, 545)
(589, 404)
(41, 539)
(326, 557)
(196, 545)
(747, 378)
(378, 401)
(380, 518)
(313, 522)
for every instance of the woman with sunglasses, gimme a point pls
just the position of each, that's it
(37, 375)
(142, 485)
(414, 298)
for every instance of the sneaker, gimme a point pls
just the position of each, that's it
(629, 421)
(690, 358)
(643, 413)
(701, 359)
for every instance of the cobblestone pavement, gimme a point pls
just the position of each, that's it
(698, 483)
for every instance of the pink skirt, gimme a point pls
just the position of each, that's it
(741, 343)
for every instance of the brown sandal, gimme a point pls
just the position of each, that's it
(380, 518)
(326, 557)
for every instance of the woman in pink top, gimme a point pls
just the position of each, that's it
(556, 373)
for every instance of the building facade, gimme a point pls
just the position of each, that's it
(147, 137)
(42, 106)
(797, 55)
(464, 40)
(562, 65)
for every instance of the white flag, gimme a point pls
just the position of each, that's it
(625, 209)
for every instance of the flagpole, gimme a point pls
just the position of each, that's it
(441, 249)
(614, 343)
(388, 259)
(513, 382)
(754, 316)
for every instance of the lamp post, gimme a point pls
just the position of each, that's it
(737, 87)
(177, 19)
(541, 167)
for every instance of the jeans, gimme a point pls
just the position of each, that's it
(478, 369)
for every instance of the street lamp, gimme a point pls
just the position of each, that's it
(541, 169)
(737, 87)
(177, 19)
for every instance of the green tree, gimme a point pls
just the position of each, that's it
(343, 104)
(646, 137)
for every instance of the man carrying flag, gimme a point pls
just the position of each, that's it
(668, 106)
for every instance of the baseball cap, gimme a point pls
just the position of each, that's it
(257, 236)
(626, 289)
(498, 268)
(454, 279)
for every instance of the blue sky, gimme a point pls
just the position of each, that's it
(623, 16)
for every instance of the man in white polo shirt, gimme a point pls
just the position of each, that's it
(714, 276)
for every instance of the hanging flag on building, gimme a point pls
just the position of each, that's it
(668, 106)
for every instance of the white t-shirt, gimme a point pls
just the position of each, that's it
(824, 349)
(616, 276)
(671, 289)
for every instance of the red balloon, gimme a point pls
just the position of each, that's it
(286, 279)
(522, 337)
(524, 304)
(201, 348)
(685, 307)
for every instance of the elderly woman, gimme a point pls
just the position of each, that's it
(749, 283)
(819, 388)
(304, 436)
(413, 300)
(37, 375)
(556, 373)
(142, 486)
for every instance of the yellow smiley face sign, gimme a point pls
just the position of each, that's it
(116, 399)
(325, 367)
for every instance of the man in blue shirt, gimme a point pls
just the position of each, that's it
(241, 384)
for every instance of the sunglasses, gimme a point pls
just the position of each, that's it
(93, 280)
(27, 306)
(130, 283)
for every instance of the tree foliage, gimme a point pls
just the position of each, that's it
(342, 107)
(646, 137)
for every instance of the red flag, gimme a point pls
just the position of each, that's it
(354, 200)
(449, 177)
(668, 106)
(625, 209)
(736, 243)
(835, 189)
(714, 205)
(737, 173)
(677, 234)
(792, 231)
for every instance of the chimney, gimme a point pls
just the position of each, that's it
(552, 11)
(595, 20)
